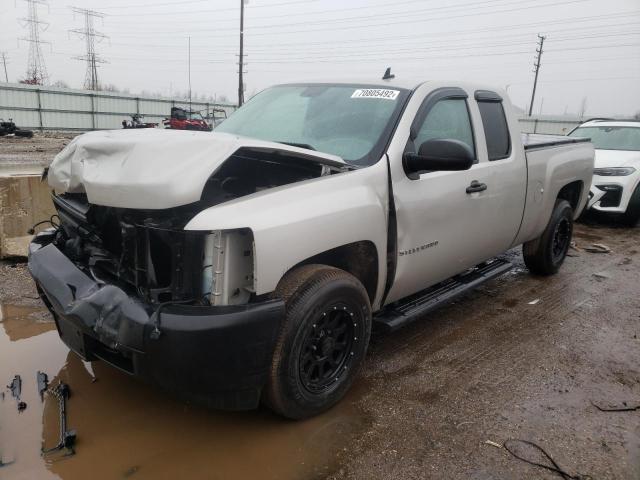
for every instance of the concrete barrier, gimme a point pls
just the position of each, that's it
(24, 201)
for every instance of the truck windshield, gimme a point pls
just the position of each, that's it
(611, 138)
(350, 121)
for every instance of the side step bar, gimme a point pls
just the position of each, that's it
(405, 311)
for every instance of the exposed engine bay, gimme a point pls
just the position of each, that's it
(148, 253)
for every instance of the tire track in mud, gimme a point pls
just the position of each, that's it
(434, 354)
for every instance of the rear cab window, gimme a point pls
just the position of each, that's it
(494, 123)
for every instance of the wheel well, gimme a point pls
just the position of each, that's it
(360, 259)
(571, 193)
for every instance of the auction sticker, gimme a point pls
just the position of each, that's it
(376, 93)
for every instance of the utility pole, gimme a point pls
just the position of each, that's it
(189, 74)
(90, 34)
(240, 62)
(4, 62)
(537, 70)
(36, 70)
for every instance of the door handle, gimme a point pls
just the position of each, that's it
(476, 186)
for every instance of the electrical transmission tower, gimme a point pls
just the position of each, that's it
(536, 70)
(36, 70)
(90, 35)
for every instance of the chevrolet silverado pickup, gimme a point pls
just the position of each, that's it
(250, 264)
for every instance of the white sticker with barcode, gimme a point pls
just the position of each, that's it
(376, 93)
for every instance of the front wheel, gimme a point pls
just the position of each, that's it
(322, 341)
(545, 254)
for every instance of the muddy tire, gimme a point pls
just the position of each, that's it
(545, 254)
(631, 216)
(322, 341)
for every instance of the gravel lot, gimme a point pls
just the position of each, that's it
(522, 357)
(20, 154)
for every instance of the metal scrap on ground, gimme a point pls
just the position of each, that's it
(597, 248)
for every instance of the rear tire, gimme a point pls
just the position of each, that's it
(632, 215)
(322, 341)
(545, 254)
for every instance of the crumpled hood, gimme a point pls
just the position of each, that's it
(617, 158)
(153, 168)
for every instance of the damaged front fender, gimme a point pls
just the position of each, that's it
(296, 222)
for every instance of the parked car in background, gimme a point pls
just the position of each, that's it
(616, 176)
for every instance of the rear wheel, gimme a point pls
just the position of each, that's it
(322, 342)
(632, 215)
(545, 254)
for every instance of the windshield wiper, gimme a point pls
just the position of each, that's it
(299, 145)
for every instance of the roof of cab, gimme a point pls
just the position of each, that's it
(404, 83)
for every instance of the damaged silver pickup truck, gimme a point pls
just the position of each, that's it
(249, 264)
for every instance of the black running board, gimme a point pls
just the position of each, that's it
(405, 311)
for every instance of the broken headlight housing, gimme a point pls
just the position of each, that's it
(614, 171)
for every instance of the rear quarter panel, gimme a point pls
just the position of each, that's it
(549, 170)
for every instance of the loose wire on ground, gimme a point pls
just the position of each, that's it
(554, 467)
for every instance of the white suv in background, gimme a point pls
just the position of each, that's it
(616, 177)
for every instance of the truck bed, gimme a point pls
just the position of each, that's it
(536, 140)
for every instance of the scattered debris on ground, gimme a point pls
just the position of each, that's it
(43, 383)
(515, 448)
(67, 437)
(624, 407)
(597, 248)
(16, 391)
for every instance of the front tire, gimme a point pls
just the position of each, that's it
(632, 215)
(545, 254)
(322, 341)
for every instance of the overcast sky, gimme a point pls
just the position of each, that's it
(592, 47)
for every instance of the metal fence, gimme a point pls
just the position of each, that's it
(51, 108)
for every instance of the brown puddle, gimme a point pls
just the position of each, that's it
(129, 430)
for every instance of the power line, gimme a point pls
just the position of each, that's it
(393, 54)
(392, 57)
(147, 5)
(350, 26)
(90, 34)
(369, 9)
(36, 70)
(384, 40)
(626, 14)
(537, 70)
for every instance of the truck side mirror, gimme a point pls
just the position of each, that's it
(440, 154)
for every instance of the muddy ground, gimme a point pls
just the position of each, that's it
(21, 155)
(520, 358)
